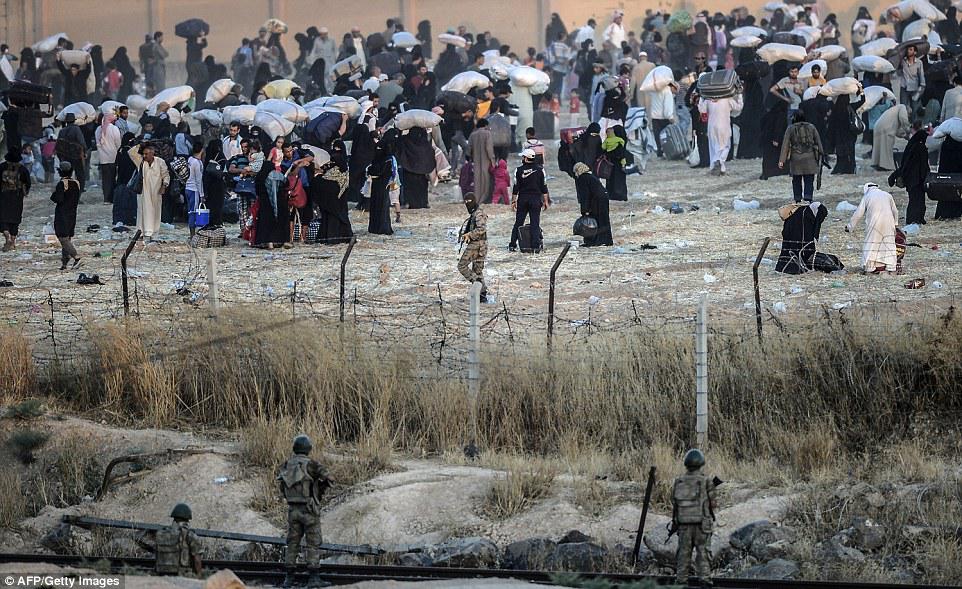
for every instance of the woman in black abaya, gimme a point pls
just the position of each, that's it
(328, 184)
(272, 228)
(950, 162)
(382, 171)
(362, 154)
(215, 188)
(594, 203)
(749, 122)
(912, 171)
(415, 157)
(841, 135)
(773, 127)
(615, 146)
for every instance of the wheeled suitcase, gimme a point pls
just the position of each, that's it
(944, 187)
(719, 84)
(545, 124)
(674, 144)
(525, 243)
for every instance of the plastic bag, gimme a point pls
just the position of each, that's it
(840, 86)
(289, 111)
(872, 63)
(772, 52)
(279, 88)
(465, 81)
(218, 90)
(657, 79)
(679, 22)
(746, 41)
(416, 118)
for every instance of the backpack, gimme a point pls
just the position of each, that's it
(689, 495)
(295, 480)
(169, 542)
(10, 180)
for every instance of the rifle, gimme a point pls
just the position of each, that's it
(673, 526)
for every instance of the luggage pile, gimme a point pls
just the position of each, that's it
(719, 84)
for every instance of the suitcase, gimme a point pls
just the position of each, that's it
(525, 243)
(22, 93)
(944, 187)
(673, 143)
(568, 135)
(545, 124)
(719, 84)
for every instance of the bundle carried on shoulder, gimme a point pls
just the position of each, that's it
(746, 41)
(344, 104)
(679, 21)
(907, 8)
(950, 128)
(417, 117)
(749, 31)
(347, 67)
(840, 86)
(321, 156)
(242, 114)
(872, 63)
(526, 77)
(174, 97)
(83, 111)
(209, 116)
(719, 84)
(110, 106)
(75, 57)
(49, 43)
(273, 124)
(219, 90)
(878, 47)
(404, 40)
(275, 26)
(827, 52)
(466, 81)
(812, 34)
(772, 52)
(456, 40)
(322, 128)
(657, 79)
(916, 30)
(874, 95)
(137, 103)
(279, 88)
(805, 71)
(285, 109)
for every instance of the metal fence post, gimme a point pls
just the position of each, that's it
(644, 516)
(123, 268)
(212, 282)
(347, 254)
(474, 368)
(701, 374)
(554, 269)
(758, 298)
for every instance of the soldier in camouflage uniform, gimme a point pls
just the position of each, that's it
(177, 546)
(692, 517)
(302, 483)
(474, 237)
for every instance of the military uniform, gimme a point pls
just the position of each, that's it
(693, 498)
(177, 548)
(474, 234)
(302, 482)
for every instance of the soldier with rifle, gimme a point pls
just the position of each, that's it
(302, 482)
(692, 518)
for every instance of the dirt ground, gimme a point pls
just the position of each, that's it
(708, 251)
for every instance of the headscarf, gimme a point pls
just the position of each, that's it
(105, 122)
(581, 168)
(593, 129)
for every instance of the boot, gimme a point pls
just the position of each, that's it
(288, 578)
(314, 581)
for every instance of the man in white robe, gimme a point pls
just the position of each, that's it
(156, 178)
(893, 123)
(881, 218)
(720, 112)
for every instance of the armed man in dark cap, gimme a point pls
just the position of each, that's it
(177, 546)
(303, 481)
(693, 517)
(474, 237)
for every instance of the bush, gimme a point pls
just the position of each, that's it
(24, 442)
(13, 504)
(26, 409)
(518, 490)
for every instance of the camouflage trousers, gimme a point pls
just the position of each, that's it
(692, 537)
(471, 264)
(303, 522)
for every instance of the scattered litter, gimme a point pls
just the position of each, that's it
(709, 278)
(104, 254)
(676, 209)
(221, 480)
(840, 306)
(403, 233)
(845, 207)
(912, 229)
(797, 290)
(6, 284)
(635, 195)
(694, 208)
(658, 210)
(574, 243)
(93, 228)
(915, 284)
(936, 284)
(84, 279)
(536, 285)
(935, 248)
(779, 307)
(682, 243)
(452, 234)
(167, 226)
(741, 205)
(593, 300)
(838, 284)
(24, 256)
(579, 323)
(137, 273)
(618, 250)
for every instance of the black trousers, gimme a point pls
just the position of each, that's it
(915, 212)
(528, 206)
(657, 125)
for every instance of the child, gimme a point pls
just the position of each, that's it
(534, 144)
(394, 190)
(502, 182)
(28, 161)
(48, 149)
(67, 197)
(112, 81)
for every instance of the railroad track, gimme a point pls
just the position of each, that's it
(272, 573)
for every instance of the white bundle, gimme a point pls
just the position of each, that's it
(773, 6)
(827, 52)
(872, 63)
(83, 111)
(275, 25)
(343, 104)
(540, 87)
(218, 90)
(935, 42)
(279, 88)
(48, 44)
(404, 40)
(499, 71)
(746, 41)
(465, 81)
(840, 86)
(657, 79)
(137, 103)
(879, 47)
(875, 95)
(285, 109)
(811, 93)
(749, 31)
(417, 117)
(916, 30)
(208, 115)
(950, 128)
(905, 9)
(75, 57)
(274, 125)
(175, 116)
(773, 52)
(806, 70)
(172, 96)
(110, 106)
(315, 111)
(321, 156)
(242, 113)
(526, 77)
(811, 34)
(455, 40)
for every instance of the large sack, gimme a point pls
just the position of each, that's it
(190, 28)
(110, 106)
(404, 40)
(810, 93)
(455, 40)
(905, 9)
(175, 116)
(218, 90)
(916, 29)
(539, 87)
(84, 111)
(950, 128)
(242, 113)
(48, 44)
(209, 116)
(274, 125)
(456, 103)
(812, 34)
(275, 26)
(773, 6)
(746, 41)
(279, 88)
(344, 104)
(827, 52)
(679, 22)
(872, 63)
(526, 77)
(749, 30)
(289, 111)
(772, 52)
(805, 71)
(173, 96)
(137, 103)
(879, 47)
(75, 57)
(321, 156)
(840, 86)
(416, 118)
(346, 67)
(322, 128)
(874, 95)
(466, 81)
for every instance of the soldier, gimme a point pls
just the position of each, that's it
(474, 236)
(692, 517)
(302, 482)
(177, 546)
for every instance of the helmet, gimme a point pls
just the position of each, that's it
(182, 511)
(694, 458)
(302, 445)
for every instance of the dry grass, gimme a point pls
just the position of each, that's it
(24, 442)
(518, 490)
(68, 470)
(13, 504)
(17, 371)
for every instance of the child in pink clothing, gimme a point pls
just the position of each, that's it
(502, 182)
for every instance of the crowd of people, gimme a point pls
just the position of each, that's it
(292, 183)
